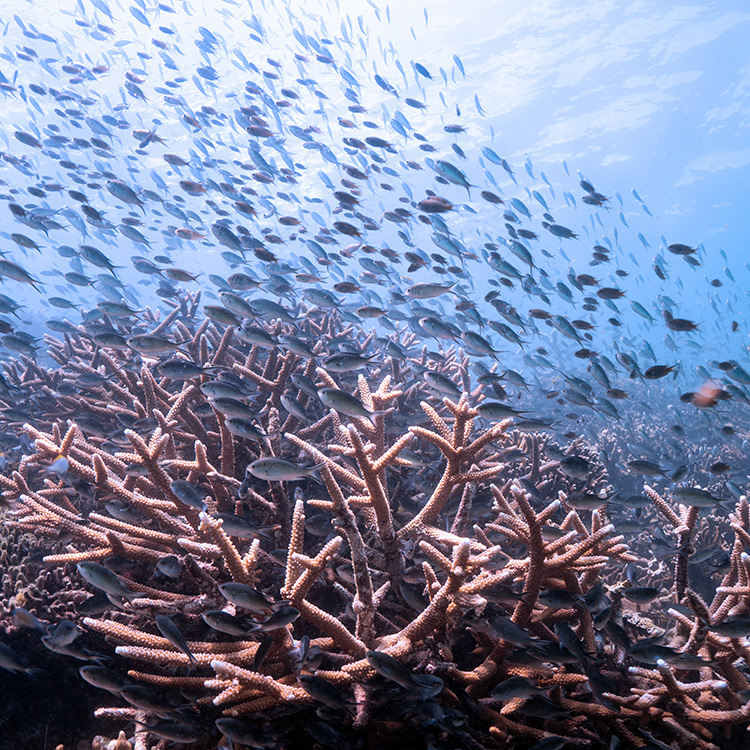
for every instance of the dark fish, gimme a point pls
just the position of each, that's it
(170, 631)
(659, 371)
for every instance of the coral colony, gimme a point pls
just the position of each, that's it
(355, 564)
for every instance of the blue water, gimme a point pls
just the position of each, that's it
(646, 102)
(645, 96)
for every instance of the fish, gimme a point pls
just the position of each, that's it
(560, 598)
(346, 362)
(176, 731)
(63, 634)
(427, 686)
(249, 598)
(27, 619)
(646, 468)
(496, 411)
(233, 407)
(279, 618)
(507, 630)
(731, 627)
(280, 470)
(641, 594)
(239, 526)
(478, 343)
(122, 191)
(585, 501)
(694, 496)
(17, 273)
(171, 632)
(105, 580)
(651, 653)
(659, 371)
(59, 466)
(170, 566)
(103, 678)
(428, 290)
(325, 692)
(575, 466)
(188, 493)
(442, 384)
(12, 662)
(182, 369)
(346, 404)
(145, 343)
(245, 428)
(148, 699)
(244, 733)
(227, 623)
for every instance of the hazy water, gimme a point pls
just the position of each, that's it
(640, 96)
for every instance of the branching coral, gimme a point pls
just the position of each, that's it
(449, 588)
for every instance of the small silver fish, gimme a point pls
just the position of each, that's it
(324, 692)
(242, 733)
(227, 623)
(25, 619)
(275, 469)
(442, 384)
(345, 403)
(145, 343)
(575, 467)
(346, 362)
(105, 580)
(11, 661)
(246, 597)
(279, 619)
(170, 566)
(188, 493)
(427, 685)
(103, 678)
(517, 687)
(243, 529)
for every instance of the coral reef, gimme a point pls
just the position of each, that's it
(417, 581)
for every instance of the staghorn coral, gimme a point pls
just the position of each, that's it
(364, 565)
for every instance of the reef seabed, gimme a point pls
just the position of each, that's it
(418, 542)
